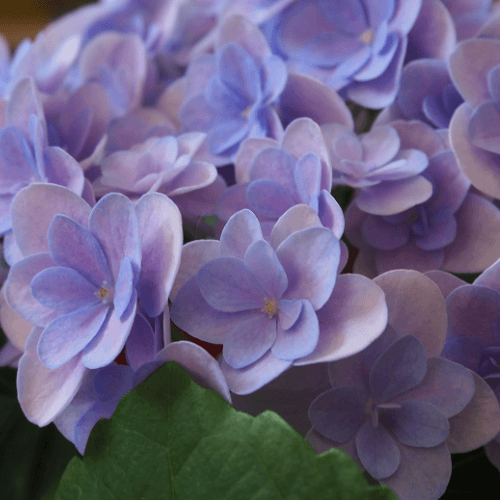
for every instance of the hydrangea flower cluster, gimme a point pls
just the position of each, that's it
(185, 164)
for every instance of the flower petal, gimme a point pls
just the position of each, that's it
(68, 334)
(377, 451)
(241, 230)
(338, 414)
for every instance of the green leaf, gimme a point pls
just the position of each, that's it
(171, 439)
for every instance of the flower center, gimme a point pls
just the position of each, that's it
(367, 36)
(412, 217)
(270, 308)
(246, 112)
(105, 293)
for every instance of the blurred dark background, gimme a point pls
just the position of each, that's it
(25, 18)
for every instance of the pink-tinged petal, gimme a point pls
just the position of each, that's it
(111, 338)
(317, 101)
(310, 258)
(200, 365)
(416, 307)
(409, 256)
(469, 66)
(44, 393)
(249, 340)
(247, 151)
(492, 450)
(160, 227)
(241, 230)
(484, 127)
(446, 385)
(490, 277)
(17, 289)
(73, 246)
(67, 335)
(140, 345)
(195, 255)
(191, 312)
(321, 445)
(229, 286)
(11, 251)
(24, 102)
(479, 165)
(61, 168)
(415, 134)
(289, 395)
(393, 197)
(356, 305)
(300, 339)
(478, 423)
(476, 245)
(304, 136)
(330, 213)
(422, 473)
(377, 451)
(14, 326)
(445, 281)
(294, 219)
(261, 260)
(380, 145)
(232, 200)
(197, 175)
(249, 379)
(114, 223)
(33, 209)
(240, 30)
(474, 310)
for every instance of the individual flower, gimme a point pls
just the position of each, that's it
(474, 128)
(271, 304)
(426, 94)
(25, 155)
(397, 407)
(274, 176)
(107, 82)
(373, 159)
(437, 233)
(230, 94)
(356, 47)
(78, 283)
(159, 164)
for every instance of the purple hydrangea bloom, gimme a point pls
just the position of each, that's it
(272, 177)
(78, 281)
(474, 128)
(357, 45)
(25, 155)
(430, 235)
(230, 94)
(373, 159)
(397, 407)
(260, 299)
(426, 94)
(163, 164)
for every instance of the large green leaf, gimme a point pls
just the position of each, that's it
(171, 439)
